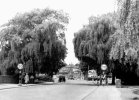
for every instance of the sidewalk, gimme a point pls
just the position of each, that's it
(129, 92)
(10, 86)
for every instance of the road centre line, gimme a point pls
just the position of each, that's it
(90, 93)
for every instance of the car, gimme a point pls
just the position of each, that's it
(71, 77)
(62, 78)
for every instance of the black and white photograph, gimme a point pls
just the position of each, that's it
(69, 50)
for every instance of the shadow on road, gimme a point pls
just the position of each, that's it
(135, 98)
(72, 83)
(136, 92)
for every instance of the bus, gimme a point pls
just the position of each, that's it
(92, 74)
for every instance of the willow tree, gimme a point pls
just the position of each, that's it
(125, 41)
(33, 35)
(91, 43)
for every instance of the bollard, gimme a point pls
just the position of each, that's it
(118, 83)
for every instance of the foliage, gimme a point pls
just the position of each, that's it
(92, 44)
(34, 39)
(125, 41)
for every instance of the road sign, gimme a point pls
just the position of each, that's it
(103, 67)
(20, 66)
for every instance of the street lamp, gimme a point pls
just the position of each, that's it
(20, 67)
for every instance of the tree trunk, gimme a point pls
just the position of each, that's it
(113, 78)
(85, 73)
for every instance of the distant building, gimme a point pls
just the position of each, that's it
(71, 70)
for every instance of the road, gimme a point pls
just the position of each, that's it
(71, 90)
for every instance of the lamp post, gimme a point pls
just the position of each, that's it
(20, 67)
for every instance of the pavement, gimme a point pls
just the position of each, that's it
(129, 92)
(105, 92)
(10, 86)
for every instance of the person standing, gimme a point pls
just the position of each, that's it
(32, 79)
(54, 77)
(26, 78)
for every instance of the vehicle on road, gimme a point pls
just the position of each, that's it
(71, 77)
(92, 75)
(62, 78)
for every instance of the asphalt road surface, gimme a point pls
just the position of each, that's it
(71, 90)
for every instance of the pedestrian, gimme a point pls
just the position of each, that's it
(26, 78)
(54, 77)
(32, 79)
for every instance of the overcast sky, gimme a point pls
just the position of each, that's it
(79, 12)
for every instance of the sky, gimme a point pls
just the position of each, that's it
(78, 10)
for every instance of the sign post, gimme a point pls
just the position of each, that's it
(20, 67)
(103, 68)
